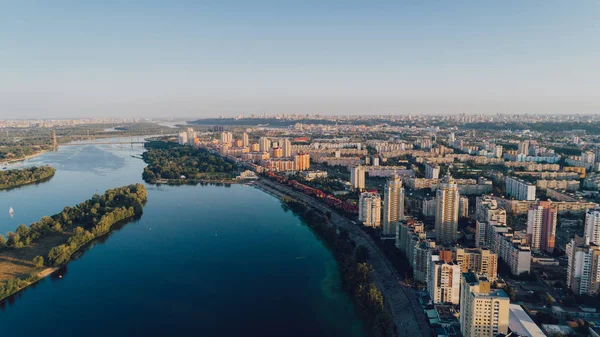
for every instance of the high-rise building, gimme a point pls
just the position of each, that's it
(583, 271)
(484, 312)
(446, 211)
(443, 282)
(523, 148)
(541, 226)
(369, 209)
(498, 151)
(287, 148)
(191, 135)
(182, 139)
(302, 161)
(432, 171)
(592, 226)
(477, 260)
(226, 137)
(245, 140)
(588, 157)
(463, 207)
(393, 204)
(357, 177)
(264, 144)
(486, 209)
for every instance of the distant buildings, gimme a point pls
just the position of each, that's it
(484, 311)
(463, 207)
(523, 148)
(287, 148)
(446, 212)
(393, 204)
(301, 161)
(369, 209)
(432, 171)
(264, 144)
(226, 138)
(357, 178)
(541, 226)
(519, 189)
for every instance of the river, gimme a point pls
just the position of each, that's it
(201, 261)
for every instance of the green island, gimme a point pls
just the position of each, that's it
(354, 270)
(31, 175)
(172, 163)
(31, 252)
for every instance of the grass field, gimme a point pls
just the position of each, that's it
(16, 262)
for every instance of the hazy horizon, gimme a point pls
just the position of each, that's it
(188, 59)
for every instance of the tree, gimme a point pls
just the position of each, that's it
(510, 291)
(2, 241)
(23, 230)
(38, 261)
(13, 239)
(361, 254)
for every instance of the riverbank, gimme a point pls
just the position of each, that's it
(195, 181)
(15, 160)
(406, 312)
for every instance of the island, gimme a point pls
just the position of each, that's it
(35, 251)
(12, 153)
(31, 175)
(172, 163)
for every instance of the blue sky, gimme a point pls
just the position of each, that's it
(211, 58)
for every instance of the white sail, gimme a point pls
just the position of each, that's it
(11, 211)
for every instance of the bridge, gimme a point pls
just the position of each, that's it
(86, 140)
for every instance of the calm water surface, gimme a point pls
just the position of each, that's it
(202, 261)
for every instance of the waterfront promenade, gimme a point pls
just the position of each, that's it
(408, 316)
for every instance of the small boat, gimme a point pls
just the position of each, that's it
(11, 211)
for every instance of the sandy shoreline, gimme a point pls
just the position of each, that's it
(41, 275)
(10, 161)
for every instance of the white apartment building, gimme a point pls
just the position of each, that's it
(519, 189)
(446, 211)
(357, 177)
(592, 226)
(369, 209)
(443, 282)
(583, 271)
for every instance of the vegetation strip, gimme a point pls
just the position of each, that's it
(31, 175)
(354, 270)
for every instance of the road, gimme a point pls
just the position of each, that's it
(407, 314)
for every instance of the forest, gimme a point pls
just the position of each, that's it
(15, 178)
(172, 161)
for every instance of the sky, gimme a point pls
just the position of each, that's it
(69, 59)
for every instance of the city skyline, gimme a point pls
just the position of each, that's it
(75, 60)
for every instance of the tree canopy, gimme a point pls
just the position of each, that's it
(172, 161)
(14, 178)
